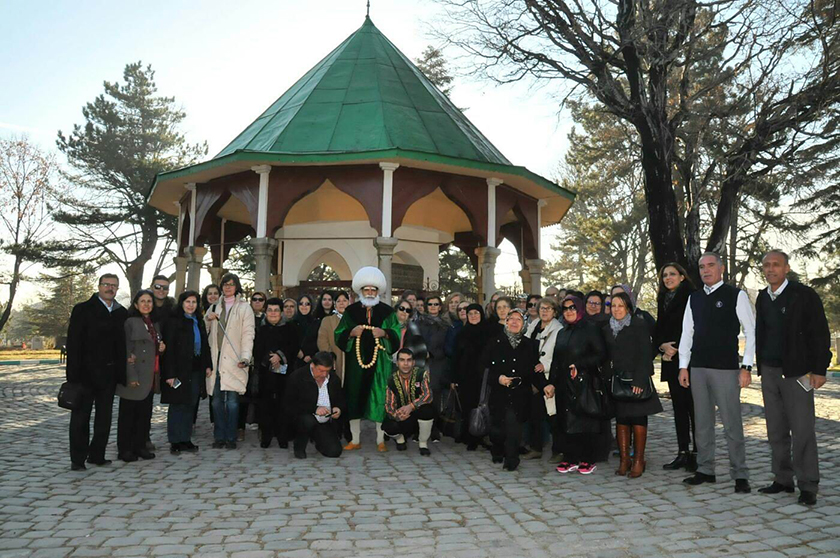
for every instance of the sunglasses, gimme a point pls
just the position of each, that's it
(532, 304)
(404, 309)
(305, 304)
(161, 287)
(433, 304)
(257, 299)
(567, 308)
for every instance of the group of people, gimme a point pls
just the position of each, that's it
(566, 364)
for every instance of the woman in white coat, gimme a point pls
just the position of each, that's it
(544, 332)
(231, 335)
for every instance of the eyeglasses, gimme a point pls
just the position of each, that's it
(161, 287)
(433, 304)
(568, 308)
(593, 303)
(111, 285)
(404, 309)
(292, 306)
(304, 304)
(257, 299)
(229, 284)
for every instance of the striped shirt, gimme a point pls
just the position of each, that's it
(423, 391)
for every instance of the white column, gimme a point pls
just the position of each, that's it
(180, 225)
(491, 211)
(535, 270)
(487, 265)
(263, 250)
(222, 244)
(191, 188)
(387, 196)
(540, 205)
(262, 200)
(385, 253)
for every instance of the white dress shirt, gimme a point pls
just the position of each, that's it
(323, 400)
(746, 316)
(776, 293)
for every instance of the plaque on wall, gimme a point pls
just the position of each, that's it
(405, 276)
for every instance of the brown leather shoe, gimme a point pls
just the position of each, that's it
(622, 436)
(639, 443)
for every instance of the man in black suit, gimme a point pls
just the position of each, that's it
(793, 352)
(96, 359)
(314, 400)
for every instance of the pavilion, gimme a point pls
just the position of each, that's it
(363, 161)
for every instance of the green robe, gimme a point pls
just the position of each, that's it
(366, 388)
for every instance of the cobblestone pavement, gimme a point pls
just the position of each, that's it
(255, 502)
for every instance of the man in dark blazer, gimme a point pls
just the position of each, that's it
(96, 359)
(314, 400)
(793, 352)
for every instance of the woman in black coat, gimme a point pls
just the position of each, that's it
(674, 289)
(578, 351)
(629, 352)
(512, 358)
(275, 347)
(468, 365)
(186, 363)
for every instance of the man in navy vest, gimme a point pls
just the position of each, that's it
(793, 352)
(714, 317)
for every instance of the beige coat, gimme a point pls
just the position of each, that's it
(326, 342)
(239, 344)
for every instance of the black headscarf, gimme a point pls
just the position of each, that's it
(474, 332)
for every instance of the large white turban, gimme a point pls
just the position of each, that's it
(369, 277)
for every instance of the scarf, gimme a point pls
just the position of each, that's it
(668, 298)
(618, 325)
(196, 334)
(513, 338)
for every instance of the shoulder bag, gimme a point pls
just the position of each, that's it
(621, 388)
(480, 416)
(70, 395)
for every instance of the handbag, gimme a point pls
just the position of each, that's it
(70, 395)
(593, 400)
(450, 413)
(479, 422)
(621, 388)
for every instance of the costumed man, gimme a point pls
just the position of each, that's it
(369, 333)
(408, 403)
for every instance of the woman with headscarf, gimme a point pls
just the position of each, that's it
(468, 365)
(512, 360)
(289, 310)
(303, 320)
(675, 287)
(323, 308)
(578, 351)
(544, 333)
(630, 353)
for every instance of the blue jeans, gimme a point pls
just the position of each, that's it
(179, 419)
(225, 413)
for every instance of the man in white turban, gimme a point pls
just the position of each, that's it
(369, 333)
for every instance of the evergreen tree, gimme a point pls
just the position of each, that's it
(61, 291)
(130, 134)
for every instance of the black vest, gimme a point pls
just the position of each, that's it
(773, 316)
(716, 328)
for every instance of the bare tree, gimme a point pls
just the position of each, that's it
(763, 76)
(26, 184)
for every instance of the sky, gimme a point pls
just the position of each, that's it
(226, 62)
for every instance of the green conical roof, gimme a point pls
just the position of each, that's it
(365, 96)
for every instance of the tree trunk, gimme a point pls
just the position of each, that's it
(13, 285)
